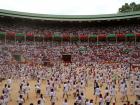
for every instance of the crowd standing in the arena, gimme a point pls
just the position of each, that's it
(102, 65)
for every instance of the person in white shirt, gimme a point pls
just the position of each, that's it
(20, 100)
(5, 94)
(132, 87)
(38, 90)
(137, 93)
(113, 93)
(97, 93)
(9, 81)
(122, 90)
(101, 100)
(48, 88)
(65, 90)
(91, 102)
(106, 90)
(42, 100)
(82, 99)
(39, 102)
(87, 102)
(2, 100)
(107, 99)
(6, 98)
(5, 89)
(125, 93)
(137, 82)
(27, 89)
(53, 97)
(65, 102)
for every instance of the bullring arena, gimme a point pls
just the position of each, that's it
(48, 60)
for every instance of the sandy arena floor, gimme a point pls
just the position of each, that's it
(33, 99)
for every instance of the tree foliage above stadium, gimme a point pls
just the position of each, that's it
(129, 7)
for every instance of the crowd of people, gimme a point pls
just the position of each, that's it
(106, 80)
(39, 28)
(80, 52)
(105, 67)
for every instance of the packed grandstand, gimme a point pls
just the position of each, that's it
(52, 48)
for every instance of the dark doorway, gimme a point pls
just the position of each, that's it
(66, 58)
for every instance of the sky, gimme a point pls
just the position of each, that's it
(65, 7)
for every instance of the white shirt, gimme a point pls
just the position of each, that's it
(91, 104)
(137, 91)
(27, 89)
(101, 101)
(65, 103)
(37, 87)
(42, 101)
(108, 99)
(9, 81)
(106, 91)
(20, 100)
(112, 91)
(66, 87)
(2, 102)
(88, 103)
(52, 94)
(97, 91)
(122, 87)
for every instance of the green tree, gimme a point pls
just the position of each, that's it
(129, 7)
(133, 6)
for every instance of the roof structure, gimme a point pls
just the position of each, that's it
(34, 16)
